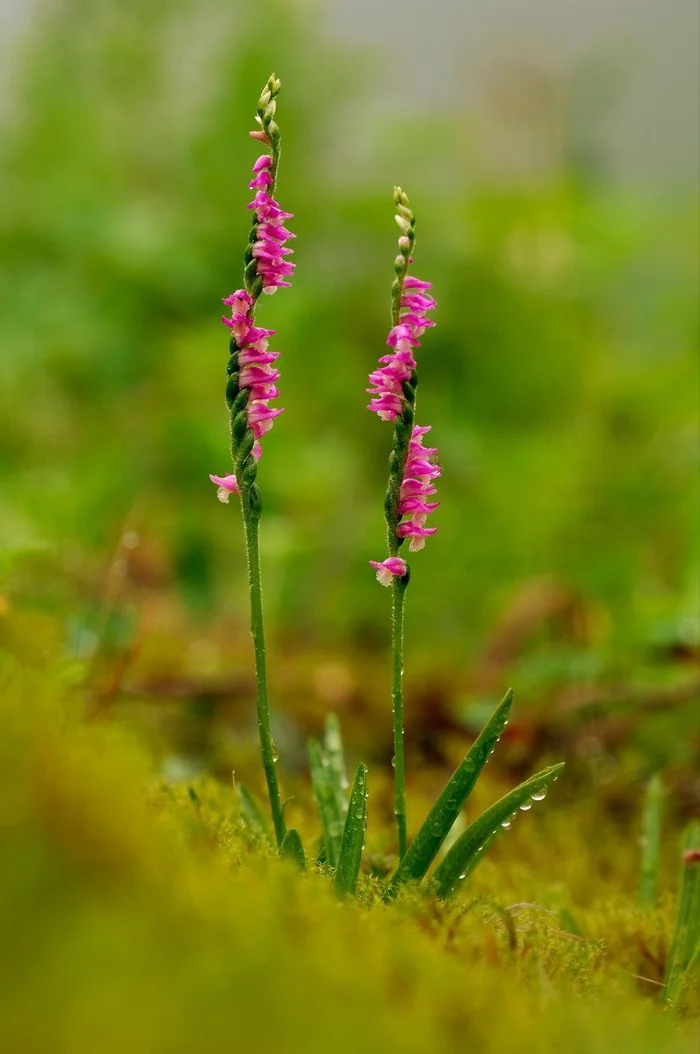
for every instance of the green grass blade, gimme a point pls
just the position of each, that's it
(324, 789)
(292, 849)
(651, 842)
(686, 935)
(333, 749)
(426, 845)
(472, 845)
(252, 812)
(353, 836)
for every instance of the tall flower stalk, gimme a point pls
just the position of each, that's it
(251, 386)
(413, 468)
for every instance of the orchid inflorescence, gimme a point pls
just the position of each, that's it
(251, 387)
(393, 387)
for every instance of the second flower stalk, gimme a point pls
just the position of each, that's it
(413, 468)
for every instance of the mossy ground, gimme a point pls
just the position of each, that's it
(141, 915)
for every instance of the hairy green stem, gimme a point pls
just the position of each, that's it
(251, 520)
(397, 621)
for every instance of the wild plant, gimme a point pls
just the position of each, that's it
(251, 387)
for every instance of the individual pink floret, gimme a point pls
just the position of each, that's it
(264, 161)
(414, 530)
(392, 567)
(227, 485)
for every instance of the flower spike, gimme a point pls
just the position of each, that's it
(250, 389)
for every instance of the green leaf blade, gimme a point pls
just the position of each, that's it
(686, 935)
(350, 857)
(324, 790)
(292, 848)
(651, 842)
(471, 846)
(252, 812)
(439, 821)
(335, 754)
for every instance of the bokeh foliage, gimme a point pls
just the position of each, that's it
(560, 378)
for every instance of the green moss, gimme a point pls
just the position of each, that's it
(142, 916)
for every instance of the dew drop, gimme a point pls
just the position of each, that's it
(525, 806)
(393, 763)
(506, 824)
(540, 795)
(463, 876)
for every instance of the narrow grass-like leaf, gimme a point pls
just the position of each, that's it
(472, 845)
(323, 784)
(651, 842)
(252, 811)
(353, 842)
(426, 845)
(333, 749)
(292, 849)
(686, 935)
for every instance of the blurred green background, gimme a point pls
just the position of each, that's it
(561, 380)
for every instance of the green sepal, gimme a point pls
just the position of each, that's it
(390, 508)
(352, 844)
(241, 401)
(254, 286)
(470, 847)
(292, 848)
(239, 426)
(439, 821)
(232, 390)
(246, 444)
(247, 472)
(255, 500)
